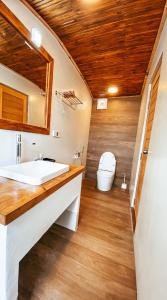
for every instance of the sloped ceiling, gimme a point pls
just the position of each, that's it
(110, 40)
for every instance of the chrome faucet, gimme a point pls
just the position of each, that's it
(40, 157)
(18, 148)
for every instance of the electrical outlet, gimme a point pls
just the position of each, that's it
(55, 133)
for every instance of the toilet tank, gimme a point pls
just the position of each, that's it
(107, 162)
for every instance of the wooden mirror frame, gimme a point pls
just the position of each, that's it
(11, 125)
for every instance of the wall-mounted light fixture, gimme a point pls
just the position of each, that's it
(36, 37)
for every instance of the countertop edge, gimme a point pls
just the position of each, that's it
(47, 191)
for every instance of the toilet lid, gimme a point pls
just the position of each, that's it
(107, 162)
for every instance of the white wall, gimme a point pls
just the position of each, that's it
(151, 231)
(73, 125)
(36, 102)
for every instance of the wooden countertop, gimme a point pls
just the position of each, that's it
(16, 198)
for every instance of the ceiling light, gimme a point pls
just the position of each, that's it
(113, 90)
(36, 37)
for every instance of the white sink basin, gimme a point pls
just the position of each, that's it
(34, 172)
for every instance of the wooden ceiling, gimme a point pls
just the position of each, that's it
(110, 40)
(19, 57)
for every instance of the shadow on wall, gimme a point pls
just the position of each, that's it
(114, 130)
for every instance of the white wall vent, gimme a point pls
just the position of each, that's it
(102, 103)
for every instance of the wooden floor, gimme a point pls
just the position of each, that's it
(95, 263)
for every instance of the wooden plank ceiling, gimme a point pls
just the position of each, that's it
(110, 40)
(19, 57)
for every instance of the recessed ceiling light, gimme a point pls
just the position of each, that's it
(113, 89)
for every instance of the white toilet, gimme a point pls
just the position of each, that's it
(106, 171)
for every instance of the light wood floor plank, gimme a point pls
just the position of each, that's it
(95, 263)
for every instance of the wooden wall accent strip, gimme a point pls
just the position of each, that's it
(113, 130)
(133, 218)
(147, 136)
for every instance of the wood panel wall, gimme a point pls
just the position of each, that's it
(114, 130)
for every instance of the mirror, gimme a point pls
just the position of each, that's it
(25, 78)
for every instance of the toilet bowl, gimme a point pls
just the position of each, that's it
(106, 171)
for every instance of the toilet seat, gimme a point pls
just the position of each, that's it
(105, 173)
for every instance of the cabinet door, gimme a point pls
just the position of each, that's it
(13, 105)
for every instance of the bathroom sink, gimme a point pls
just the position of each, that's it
(34, 172)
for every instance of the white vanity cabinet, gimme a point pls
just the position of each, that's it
(19, 236)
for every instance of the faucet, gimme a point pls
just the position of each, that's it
(40, 157)
(18, 148)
